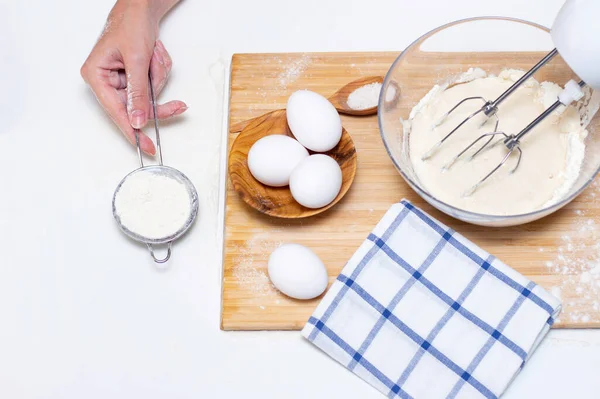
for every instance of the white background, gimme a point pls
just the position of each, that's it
(83, 311)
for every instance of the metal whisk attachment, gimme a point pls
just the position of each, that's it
(512, 142)
(489, 108)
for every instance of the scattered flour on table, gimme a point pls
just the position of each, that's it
(293, 71)
(277, 88)
(357, 68)
(577, 262)
(250, 265)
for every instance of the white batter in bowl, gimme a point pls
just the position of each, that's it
(440, 57)
(553, 151)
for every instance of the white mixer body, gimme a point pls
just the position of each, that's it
(576, 35)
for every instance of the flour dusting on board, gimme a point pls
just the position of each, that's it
(287, 73)
(577, 261)
(250, 265)
(293, 71)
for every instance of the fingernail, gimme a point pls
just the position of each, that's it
(159, 56)
(150, 151)
(178, 111)
(161, 45)
(138, 119)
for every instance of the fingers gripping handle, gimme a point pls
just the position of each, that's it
(156, 130)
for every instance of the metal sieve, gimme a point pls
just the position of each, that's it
(165, 171)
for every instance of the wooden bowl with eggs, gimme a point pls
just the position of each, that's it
(278, 201)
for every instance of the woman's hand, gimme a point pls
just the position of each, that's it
(117, 68)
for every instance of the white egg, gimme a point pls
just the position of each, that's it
(272, 159)
(316, 181)
(314, 121)
(297, 272)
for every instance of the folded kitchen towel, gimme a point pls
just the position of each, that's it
(420, 312)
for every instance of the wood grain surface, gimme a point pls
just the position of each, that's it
(559, 252)
(278, 201)
(339, 99)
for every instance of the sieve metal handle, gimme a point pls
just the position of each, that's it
(137, 131)
(166, 258)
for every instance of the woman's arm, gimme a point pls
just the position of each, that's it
(117, 68)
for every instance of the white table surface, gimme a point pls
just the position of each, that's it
(83, 311)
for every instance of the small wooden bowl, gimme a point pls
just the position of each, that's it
(278, 201)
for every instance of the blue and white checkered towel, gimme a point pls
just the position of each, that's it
(421, 312)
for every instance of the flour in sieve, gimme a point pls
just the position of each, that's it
(152, 205)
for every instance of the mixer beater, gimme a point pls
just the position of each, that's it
(512, 142)
(576, 35)
(489, 108)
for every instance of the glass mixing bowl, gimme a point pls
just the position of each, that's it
(490, 43)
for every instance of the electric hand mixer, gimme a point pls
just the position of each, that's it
(577, 39)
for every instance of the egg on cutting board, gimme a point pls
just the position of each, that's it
(272, 159)
(297, 271)
(314, 121)
(316, 181)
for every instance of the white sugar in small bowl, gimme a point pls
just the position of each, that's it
(366, 96)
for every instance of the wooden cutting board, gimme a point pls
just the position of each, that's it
(561, 252)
